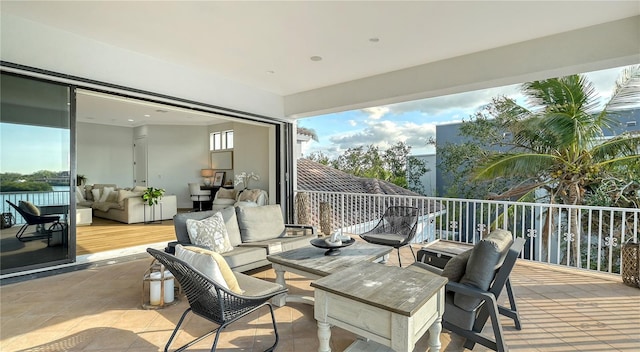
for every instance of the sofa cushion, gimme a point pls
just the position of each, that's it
(456, 266)
(211, 264)
(241, 256)
(210, 233)
(260, 223)
(231, 223)
(481, 266)
(29, 207)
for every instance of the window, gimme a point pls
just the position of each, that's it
(221, 140)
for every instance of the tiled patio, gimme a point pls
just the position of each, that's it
(98, 309)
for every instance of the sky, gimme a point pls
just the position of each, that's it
(25, 149)
(414, 122)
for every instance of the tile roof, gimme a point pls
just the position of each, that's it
(313, 176)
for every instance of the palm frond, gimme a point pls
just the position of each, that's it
(626, 93)
(620, 146)
(527, 165)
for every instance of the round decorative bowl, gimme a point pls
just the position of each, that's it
(332, 250)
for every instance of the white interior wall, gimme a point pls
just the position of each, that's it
(251, 154)
(105, 154)
(176, 154)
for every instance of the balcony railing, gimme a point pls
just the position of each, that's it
(583, 237)
(37, 198)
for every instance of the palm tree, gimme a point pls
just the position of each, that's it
(558, 141)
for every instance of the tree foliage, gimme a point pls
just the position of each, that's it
(556, 142)
(393, 165)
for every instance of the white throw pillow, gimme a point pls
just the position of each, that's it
(80, 195)
(210, 233)
(203, 263)
(96, 192)
(105, 193)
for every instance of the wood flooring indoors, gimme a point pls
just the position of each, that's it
(105, 235)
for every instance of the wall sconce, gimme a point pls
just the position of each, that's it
(207, 174)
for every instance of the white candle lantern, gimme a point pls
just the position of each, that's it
(158, 289)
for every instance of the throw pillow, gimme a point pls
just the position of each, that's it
(226, 193)
(80, 194)
(139, 189)
(211, 264)
(260, 223)
(250, 195)
(113, 197)
(29, 207)
(104, 195)
(456, 266)
(209, 233)
(95, 192)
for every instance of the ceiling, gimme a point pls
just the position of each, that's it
(289, 47)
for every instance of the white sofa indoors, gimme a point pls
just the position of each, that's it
(225, 198)
(123, 204)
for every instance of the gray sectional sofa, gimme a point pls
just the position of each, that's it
(254, 232)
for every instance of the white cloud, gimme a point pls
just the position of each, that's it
(384, 134)
(377, 112)
(353, 123)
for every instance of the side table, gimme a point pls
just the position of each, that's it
(152, 213)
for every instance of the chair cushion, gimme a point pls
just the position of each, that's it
(29, 207)
(242, 256)
(210, 264)
(456, 266)
(481, 266)
(388, 239)
(260, 223)
(210, 233)
(256, 287)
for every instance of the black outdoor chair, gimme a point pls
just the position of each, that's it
(397, 228)
(32, 219)
(467, 307)
(215, 303)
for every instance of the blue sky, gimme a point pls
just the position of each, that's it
(414, 122)
(26, 149)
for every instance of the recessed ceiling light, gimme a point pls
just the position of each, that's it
(316, 58)
(374, 39)
(147, 115)
(271, 72)
(130, 120)
(161, 111)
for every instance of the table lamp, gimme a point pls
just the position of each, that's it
(206, 173)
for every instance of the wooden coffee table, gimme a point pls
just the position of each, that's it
(311, 263)
(392, 307)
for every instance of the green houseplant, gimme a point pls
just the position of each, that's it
(152, 195)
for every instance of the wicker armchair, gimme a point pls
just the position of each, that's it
(210, 301)
(397, 228)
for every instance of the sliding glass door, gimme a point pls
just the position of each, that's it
(35, 173)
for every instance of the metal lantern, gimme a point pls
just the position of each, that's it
(158, 288)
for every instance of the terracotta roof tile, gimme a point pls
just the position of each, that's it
(313, 176)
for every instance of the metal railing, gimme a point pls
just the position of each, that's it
(37, 198)
(583, 237)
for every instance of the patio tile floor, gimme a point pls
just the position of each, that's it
(98, 309)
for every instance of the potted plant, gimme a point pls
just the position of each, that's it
(152, 195)
(81, 180)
